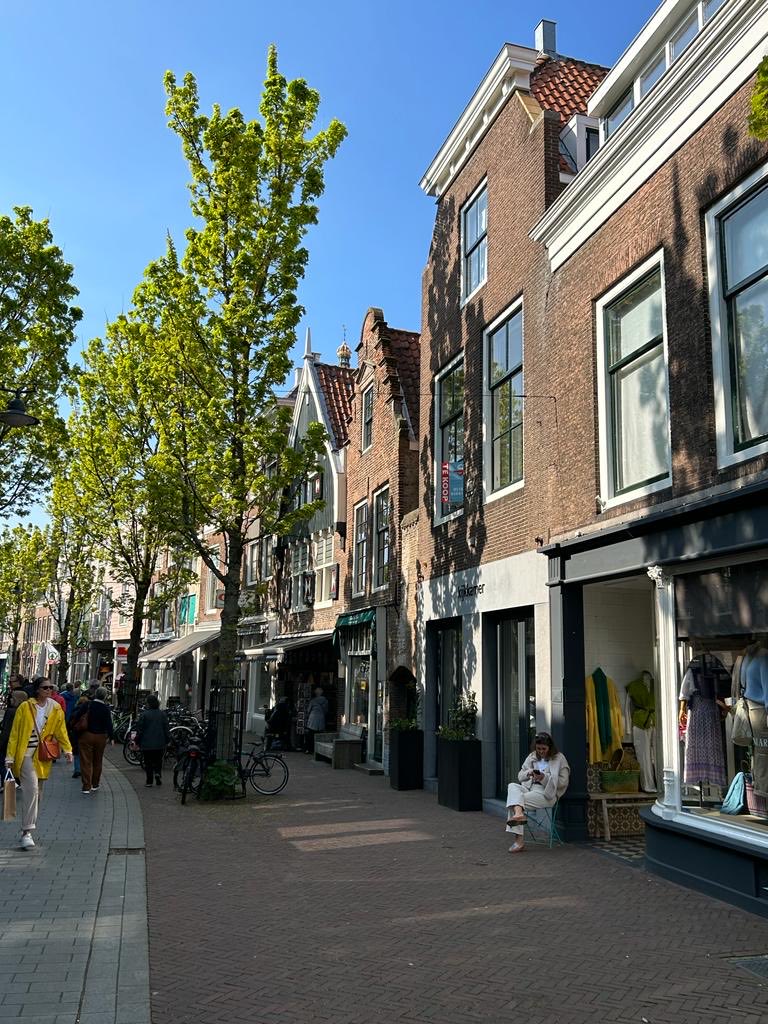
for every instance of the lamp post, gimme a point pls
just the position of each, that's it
(15, 414)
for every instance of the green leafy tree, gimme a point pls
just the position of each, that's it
(123, 482)
(758, 118)
(218, 323)
(37, 327)
(74, 569)
(23, 579)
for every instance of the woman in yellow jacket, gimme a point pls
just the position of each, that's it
(38, 717)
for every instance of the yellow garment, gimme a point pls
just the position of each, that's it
(596, 752)
(21, 730)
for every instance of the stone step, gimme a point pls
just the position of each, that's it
(370, 768)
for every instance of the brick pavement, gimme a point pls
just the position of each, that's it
(343, 901)
(73, 922)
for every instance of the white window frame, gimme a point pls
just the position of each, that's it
(489, 495)
(438, 518)
(375, 538)
(324, 567)
(605, 425)
(298, 569)
(483, 186)
(251, 563)
(358, 592)
(368, 390)
(727, 455)
(213, 585)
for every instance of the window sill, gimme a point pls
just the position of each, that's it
(735, 458)
(358, 593)
(503, 492)
(440, 520)
(472, 294)
(638, 492)
(381, 586)
(323, 604)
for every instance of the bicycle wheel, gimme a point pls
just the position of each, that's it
(269, 775)
(180, 737)
(131, 756)
(193, 778)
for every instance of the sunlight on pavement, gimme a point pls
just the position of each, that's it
(370, 839)
(497, 909)
(345, 826)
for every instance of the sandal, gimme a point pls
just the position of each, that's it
(516, 848)
(518, 820)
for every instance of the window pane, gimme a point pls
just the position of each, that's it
(515, 335)
(501, 451)
(593, 142)
(482, 253)
(710, 6)
(653, 74)
(746, 239)
(751, 359)
(686, 35)
(621, 111)
(474, 271)
(482, 213)
(470, 227)
(498, 347)
(516, 453)
(641, 432)
(635, 319)
(515, 399)
(501, 409)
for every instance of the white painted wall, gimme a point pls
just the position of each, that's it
(619, 632)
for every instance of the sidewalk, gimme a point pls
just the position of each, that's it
(73, 919)
(343, 901)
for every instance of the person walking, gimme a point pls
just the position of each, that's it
(70, 699)
(74, 735)
(153, 735)
(317, 713)
(38, 719)
(93, 739)
(15, 699)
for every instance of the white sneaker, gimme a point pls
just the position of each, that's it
(95, 789)
(86, 792)
(27, 842)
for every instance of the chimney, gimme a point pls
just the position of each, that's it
(297, 371)
(546, 37)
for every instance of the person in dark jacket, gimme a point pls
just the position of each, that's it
(70, 698)
(16, 698)
(74, 735)
(94, 739)
(153, 735)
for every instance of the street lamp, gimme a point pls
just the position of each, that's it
(16, 415)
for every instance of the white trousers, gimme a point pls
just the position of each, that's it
(519, 796)
(643, 740)
(31, 793)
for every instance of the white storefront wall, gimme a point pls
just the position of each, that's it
(517, 582)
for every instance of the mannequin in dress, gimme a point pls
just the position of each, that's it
(705, 686)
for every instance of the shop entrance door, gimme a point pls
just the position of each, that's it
(516, 698)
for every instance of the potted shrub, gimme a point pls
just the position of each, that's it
(406, 754)
(459, 762)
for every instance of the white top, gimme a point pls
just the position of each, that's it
(41, 717)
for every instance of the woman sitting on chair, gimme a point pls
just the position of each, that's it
(543, 780)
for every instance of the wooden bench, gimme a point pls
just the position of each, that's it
(341, 748)
(620, 800)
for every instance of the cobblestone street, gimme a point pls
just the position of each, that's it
(343, 901)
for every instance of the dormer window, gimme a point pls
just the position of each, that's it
(676, 44)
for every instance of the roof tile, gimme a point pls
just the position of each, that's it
(564, 84)
(338, 387)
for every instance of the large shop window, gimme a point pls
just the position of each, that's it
(505, 383)
(722, 638)
(450, 441)
(360, 563)
(634, 403)
(381, 532)
(475, 242)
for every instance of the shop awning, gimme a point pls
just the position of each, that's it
(349, 619)
(176, 648)
(287, 642)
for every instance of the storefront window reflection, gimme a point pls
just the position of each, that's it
(360, 695)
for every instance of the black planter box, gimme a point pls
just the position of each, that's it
(406, 759)
(459, 774)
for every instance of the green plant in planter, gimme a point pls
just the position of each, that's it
(407, 724)
(462, 719)
(220, 782)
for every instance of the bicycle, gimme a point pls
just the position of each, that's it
(189, 771)
(266, 771)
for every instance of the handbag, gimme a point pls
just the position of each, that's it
(736, 798)
(47, 749)
(742, 733)
(9, 796)
(80, 724)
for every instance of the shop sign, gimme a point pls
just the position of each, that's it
(452, 482)
(121, 652)
(471, 590)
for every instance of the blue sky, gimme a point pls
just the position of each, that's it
(87, 145)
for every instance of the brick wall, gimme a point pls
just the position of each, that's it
(519, 158)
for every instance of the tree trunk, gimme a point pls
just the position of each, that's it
(66, 629)
(229, 699)
(130, 689)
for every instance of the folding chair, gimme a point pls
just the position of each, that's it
(541, 822)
